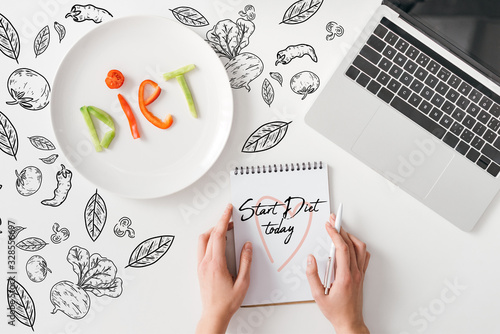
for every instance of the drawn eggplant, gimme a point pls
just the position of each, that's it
(29, 89)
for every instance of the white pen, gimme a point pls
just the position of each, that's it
(331, 257)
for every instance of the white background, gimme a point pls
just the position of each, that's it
(425, 276)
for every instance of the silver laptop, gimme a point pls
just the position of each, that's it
(417, 99)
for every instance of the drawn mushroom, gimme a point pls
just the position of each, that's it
(334, 29)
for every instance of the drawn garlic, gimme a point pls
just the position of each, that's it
(333, 30)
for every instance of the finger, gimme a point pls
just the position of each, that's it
(367, 260)
(218, 237)
(243, 279)
(342, 257)
(360, 249)
(230, 226)
(317, 288)
(352, 252)
(202, 244)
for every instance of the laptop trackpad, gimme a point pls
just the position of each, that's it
(404, 153)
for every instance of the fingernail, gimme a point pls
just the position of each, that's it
(229, 206)
(310, 259)
(248, 246)
(329, 225)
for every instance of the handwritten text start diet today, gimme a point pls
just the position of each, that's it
(292, 205)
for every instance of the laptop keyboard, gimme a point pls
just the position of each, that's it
(432, 92)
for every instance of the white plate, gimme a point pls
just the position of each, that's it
(161, 162)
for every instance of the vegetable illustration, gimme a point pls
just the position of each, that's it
(50, 159)
(130, 116)
(123, 227)
(60, 234)
(28, 181)
(31, 244)
(265, 137)
(179, 75)
(228, 39)
(61, 30)
(276, 76)
(143, 103)
(301, 11)
(29, 89)
(103, 117)
(189, 16)
(295, 51)
(333, 30)
(304, 83)
(41, 143)
(9, 39)
(42, 41)
(150, 251)
(63, 178)
(267, 92)
(114, 79)
(96, 274)
(95, 216)
(9, 142)
(81, 13)
(36, 268)
(15, 231)
(70, 299)
(248, 12)
(20, 303)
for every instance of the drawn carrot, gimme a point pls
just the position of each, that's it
(81, 13)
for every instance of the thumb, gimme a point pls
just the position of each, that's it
(317, 289)
(243, 278)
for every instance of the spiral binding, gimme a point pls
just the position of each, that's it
(278, 168)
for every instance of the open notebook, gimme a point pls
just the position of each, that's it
(282, 210)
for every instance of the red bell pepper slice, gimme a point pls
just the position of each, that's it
(143, 103)
(130, 116)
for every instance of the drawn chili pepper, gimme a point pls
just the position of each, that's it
(295, 51)
(63, 178)
(81, 13)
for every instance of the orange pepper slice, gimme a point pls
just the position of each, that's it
(143, 103)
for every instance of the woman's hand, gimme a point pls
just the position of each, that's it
(221, 294)
(343, 306)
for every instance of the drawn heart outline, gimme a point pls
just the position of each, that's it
(292, 215)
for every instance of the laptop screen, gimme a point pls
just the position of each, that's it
(473, 26)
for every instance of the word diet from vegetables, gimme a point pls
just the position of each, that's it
(114, 80)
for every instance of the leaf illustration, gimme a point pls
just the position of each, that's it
(9, 39)
(301, 11)
(20, 303)
(265, 137)
(189, 16)
(61, 30)
(9, 142)
(42, 41)
(277, 76)
(267, 92)
(15, 231)
(31, 244)
(79, 258)
(41, 143)
(149, 251)
(95, 216)
(50, 159)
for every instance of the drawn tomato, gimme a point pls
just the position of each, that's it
(37, 269)
(28, 181)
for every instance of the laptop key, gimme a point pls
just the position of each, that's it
(412, 52)
(443, 74)
(473, 109)
(490, 136)
(437, 100)
(419, 118)
(405, 93)
(370, 54)
(483, 162)
(495, 110)
(494, 124)
(457, 128)
(383, 78)
(380, 31)
(477, 143)
(469, 121)
(391, 38)
(431, 81)
(420, 73)
(463, 102)
(462, 148)
(454, 81)
(458, 114)
(494, 169)
(394, 85)
(485, 103)
(423, 59)
(385, 94)
(467, 136)
(491, 153)
(410, 67)
(416, 86)
(497, 143)
(363, 79)
(448, 107)
(446, 121)
(433, 67)
(451, 139)
(464, 88)
(425, 107)
(402, 45)
(373, 87)
(473, 155)
(385, 64)
(479, 129)
(452, 95)
(396, 71)
(400, 59)
(389, 52)
(436, 114)
(483, 117)
(475, 96)
(376, 43)
(415, 100)
(352, 72)
(442, 88)
(426, 93)
(406, 78)
(365, 66)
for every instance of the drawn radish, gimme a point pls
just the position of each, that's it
(70, 299)
(243, 69)
(29, 89)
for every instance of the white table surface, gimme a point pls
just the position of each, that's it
(425, 275)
